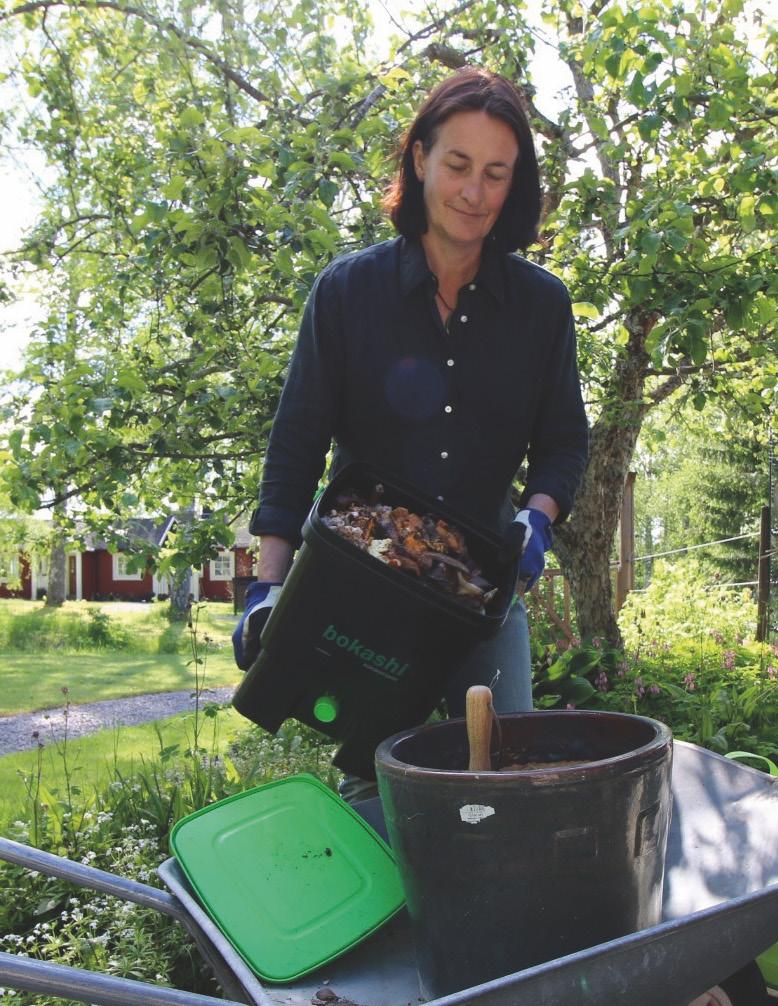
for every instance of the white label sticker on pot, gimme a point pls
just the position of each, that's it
(472, 813)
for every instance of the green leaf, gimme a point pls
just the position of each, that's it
(584, 309)
(131, 381)
(394, 78)
(242, 134)
(655, 337)
(559, 669)
(46, 905)
(649, 126)
(342, 160)
(191, 117)
(684, 83)
(746, 212)
(328, 190)
(578, 690)
(174, 187)
(650, 242)
(698, 344)
(15, 442)
(265, 169)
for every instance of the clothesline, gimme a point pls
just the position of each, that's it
(689, 548)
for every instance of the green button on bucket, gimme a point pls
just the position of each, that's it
(326, 709)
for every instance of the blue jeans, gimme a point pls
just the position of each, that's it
(507, 651)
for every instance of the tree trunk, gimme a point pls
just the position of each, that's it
(587, 539)
(57, 588)
(180, 594)
(585, 542)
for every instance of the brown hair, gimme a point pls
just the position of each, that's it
(468, 90)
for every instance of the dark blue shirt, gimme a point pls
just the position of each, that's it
(454, 410)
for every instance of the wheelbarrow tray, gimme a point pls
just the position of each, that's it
(720, 911)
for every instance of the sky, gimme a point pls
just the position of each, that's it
(19, 204)
(17, 213)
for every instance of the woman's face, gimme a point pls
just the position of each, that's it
(466, 176)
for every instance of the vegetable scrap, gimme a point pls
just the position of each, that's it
(425, 547)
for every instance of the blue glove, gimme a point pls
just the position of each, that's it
(529, 535)
(260, 598)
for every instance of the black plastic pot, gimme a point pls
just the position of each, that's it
(360, 650)
(505, 870)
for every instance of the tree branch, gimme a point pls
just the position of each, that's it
(162, 25)
(435, 25)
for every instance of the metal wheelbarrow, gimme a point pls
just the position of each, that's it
(720, 911)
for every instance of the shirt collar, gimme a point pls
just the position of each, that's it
(414, 269)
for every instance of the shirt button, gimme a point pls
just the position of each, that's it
(449, 363)
(463, 318)
(444, 454)
(448, 408)
(472, 286)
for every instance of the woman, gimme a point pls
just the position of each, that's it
(439, 357)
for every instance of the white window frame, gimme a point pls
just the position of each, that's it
(11, 562)
(218, 575)
(119, 568)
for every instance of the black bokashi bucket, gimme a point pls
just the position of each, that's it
(358, 649)
(506, 870)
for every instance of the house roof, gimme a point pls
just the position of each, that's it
(244, 538)
(135, 531)
(153, 531)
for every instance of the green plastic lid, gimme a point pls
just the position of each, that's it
(768, 965)
(289, 873)
(326, 708)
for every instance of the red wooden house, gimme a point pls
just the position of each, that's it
(97, 574)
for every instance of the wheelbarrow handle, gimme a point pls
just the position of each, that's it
(45, 978)
(92, 878)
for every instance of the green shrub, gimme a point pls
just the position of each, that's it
(124, 828)
(81, 627)
(689, 660)
(682, 604)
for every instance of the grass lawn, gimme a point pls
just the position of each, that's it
(133, 650)
(33, 682)
(94, 759)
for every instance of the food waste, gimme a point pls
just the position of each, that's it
(425, 547)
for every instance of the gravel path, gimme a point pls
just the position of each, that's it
(16, 732)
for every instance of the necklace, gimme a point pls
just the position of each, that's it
(444, 302)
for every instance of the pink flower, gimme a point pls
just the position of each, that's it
(654, 690)
(570, 705)
(602, 682)
(640, 690)
(772, 672)
(689, 681)
(597, 643)
(728, 660)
